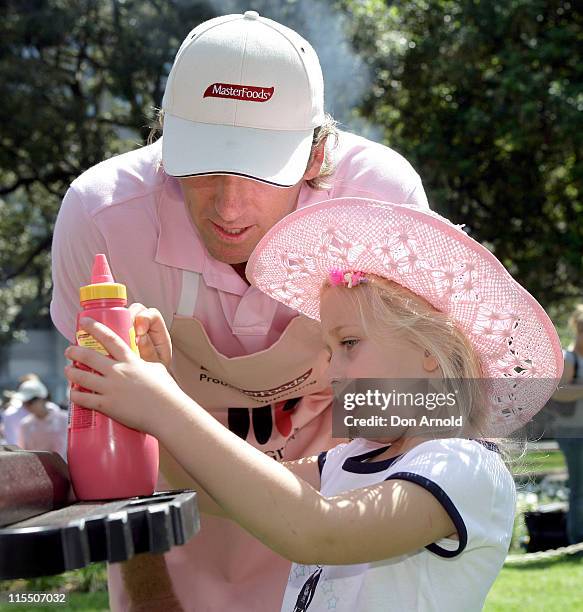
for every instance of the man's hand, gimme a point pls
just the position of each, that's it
(152, 335)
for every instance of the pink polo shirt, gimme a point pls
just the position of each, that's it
(128, 208)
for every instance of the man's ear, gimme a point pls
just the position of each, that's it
(315, 163)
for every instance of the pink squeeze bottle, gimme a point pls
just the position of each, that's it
(108, 460)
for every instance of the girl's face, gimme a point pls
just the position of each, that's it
(356, 352)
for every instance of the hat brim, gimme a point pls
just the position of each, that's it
(435, 259)
(21, 397)
(275, 157)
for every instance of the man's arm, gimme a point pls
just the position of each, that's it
(76, 240)
(418, 198)
(371, 170)
(148, 584)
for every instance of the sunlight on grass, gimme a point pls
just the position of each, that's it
(540, 461)
(545, 586)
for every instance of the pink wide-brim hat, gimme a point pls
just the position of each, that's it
(437, 260)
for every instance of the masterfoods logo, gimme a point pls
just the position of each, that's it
(239, 92)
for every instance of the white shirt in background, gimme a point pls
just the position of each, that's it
(11, 418)
(48, 433)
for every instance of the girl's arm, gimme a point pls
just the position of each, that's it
(283, 511)
(154, 343)
(155, 346)
(288, 514)
(177, 477)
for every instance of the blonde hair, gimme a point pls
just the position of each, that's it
(387, 308)
(326, 135)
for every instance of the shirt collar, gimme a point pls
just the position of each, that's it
(180, 246)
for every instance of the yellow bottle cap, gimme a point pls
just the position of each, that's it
(101, 291)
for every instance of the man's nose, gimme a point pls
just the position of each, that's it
(230, 200)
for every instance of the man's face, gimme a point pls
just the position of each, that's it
(232, 213)
(36, 407)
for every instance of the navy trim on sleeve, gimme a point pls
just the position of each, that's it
(322, 460)
(444, 499)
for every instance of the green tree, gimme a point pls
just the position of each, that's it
(79, 81)
(485, 98)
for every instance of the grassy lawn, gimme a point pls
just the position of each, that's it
(90, 602)
(86, 590)
(545, 586)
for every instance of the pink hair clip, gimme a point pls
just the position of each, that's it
(347, 278)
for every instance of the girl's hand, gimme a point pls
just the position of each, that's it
(126, 388)
(152, 335)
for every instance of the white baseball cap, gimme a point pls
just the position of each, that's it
(243, 97)
(29, 390)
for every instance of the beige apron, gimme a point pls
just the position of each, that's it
(257, 397)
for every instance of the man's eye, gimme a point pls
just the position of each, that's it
(350, 342)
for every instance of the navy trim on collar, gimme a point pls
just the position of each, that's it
(489, 445)
(358, 464)
(444, 499)
(322, 460)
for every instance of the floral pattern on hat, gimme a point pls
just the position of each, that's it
(437, 260)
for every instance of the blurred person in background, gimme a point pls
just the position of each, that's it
(570, 436)
(15, 412)
(5, 402)
(45, 425)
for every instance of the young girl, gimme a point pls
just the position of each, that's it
(400, 523)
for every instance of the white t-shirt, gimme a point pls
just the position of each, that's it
(12, 417)
(46, 434)
(476, 489)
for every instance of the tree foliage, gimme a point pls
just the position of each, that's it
(79, 81)
(484, 97)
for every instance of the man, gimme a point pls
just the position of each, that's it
(45, 427)
(15, 412)
(245, 142)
